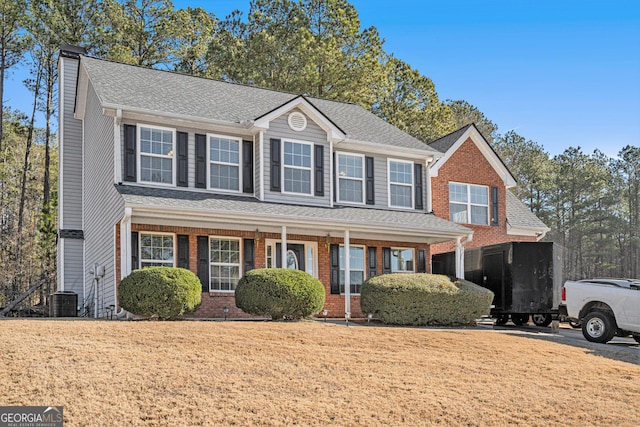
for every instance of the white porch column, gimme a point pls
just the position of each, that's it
(459, 259)
(283, 247)
(347, 275)
(125, 244)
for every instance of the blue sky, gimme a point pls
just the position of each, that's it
(560, 72)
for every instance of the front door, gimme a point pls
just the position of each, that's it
(295, 256)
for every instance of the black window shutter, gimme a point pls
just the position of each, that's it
(183, 159)
(249, 255)
(422, 261)
(247, 167)
(370, 181)
(183, 251)
(135, 257)
(417, 168)
(319, 170)
(130, 168)
(275, 165)
(334, 255)
(494, 205)
(373, 261)
(203, 262)
(386, 260)
(201, 161)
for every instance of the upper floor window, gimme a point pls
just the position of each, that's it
(224, 163)
(157, 147)
(401, 260)
(350, 178)
(156, 250)
(356, 268)
(224, 260)
(468, 203)
(400, 184)
(297, 167)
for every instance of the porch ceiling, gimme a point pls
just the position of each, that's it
(187, 208)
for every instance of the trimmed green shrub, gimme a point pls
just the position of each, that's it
(280, 293)
(424, 299)
(160, 292)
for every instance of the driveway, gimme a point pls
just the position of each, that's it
(623, 349)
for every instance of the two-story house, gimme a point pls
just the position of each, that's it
(160, 168)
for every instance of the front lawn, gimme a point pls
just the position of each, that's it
(307, 373)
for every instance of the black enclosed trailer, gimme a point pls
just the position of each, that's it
(526, 278)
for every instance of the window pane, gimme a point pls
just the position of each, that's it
(156, 249)
(402, 260)
(479, 195)
(296, 154)
(400, 195)
(479, 215)
(400, 172)
(350, 190)
(458, 213)
(225, 177)
(350, 166)
(224, 150)
(225, 264)
(297, 181)
(457, 192)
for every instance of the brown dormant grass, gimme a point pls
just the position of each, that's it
(307, 373)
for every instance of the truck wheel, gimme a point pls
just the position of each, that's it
(520, 319)
(502, 319)
(541, 319)
(598, 326)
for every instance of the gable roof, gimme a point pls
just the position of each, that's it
(520, 219)
(146, 90)
(451, 142)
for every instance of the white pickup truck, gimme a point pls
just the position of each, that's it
(605, 307)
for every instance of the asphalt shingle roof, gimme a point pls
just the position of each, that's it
(447, 141)
(376, 219)
(519, 215)
(140, 88)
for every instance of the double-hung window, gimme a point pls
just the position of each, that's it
(350, 178)
(224, 259)
(224, 163)
(297, 164)
(400, 184)
(468, 203)
(156, 250)
(356, 268)
(157, 148)
(402, 260)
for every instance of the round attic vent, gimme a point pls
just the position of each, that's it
(297, 121)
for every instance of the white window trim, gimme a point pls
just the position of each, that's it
(156, 233)
(362, 180)
(468, 203)
(240, 261)
(310, 169)
(413, 251)
(364, 270)
(209, 162)
(140, 154)
(400, 184)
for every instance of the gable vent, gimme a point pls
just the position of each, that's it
(297, 121)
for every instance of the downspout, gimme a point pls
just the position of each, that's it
(429, 206)
(460, 255)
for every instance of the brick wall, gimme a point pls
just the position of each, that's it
(213, 303)
(469, 166)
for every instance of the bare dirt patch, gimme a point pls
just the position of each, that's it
(307, 373)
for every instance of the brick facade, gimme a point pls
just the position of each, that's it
(213, 303)
(469, 166)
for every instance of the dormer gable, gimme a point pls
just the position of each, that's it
(334, 133)
(449, 144)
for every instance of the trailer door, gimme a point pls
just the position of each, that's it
(493, 277)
